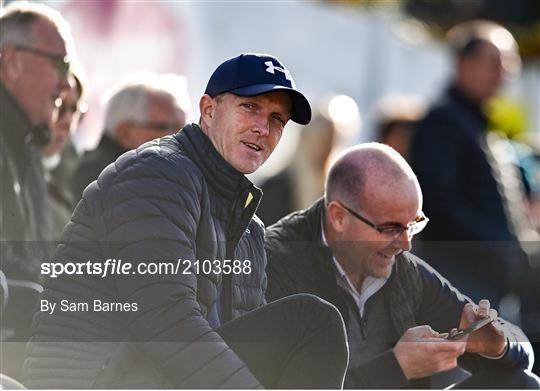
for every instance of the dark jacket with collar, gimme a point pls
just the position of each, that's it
(24, 216)
(459, 177)
(449, 156)
(172, 198)
(415, 294)
(93, 162)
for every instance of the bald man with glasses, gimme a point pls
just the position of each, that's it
(351, 248)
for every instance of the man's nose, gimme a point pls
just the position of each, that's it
(262, 125)
(403, 241)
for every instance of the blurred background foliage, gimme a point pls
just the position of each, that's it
(521, 17)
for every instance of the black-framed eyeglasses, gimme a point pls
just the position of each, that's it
(61, 63)
(391, 230)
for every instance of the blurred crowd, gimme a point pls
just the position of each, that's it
(481, 188)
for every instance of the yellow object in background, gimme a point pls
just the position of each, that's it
(507, 116)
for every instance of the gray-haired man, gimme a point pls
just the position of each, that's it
(34, 62)
(139, 108)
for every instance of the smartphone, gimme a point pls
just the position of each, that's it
(475, 326)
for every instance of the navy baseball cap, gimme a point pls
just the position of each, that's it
(252, 74)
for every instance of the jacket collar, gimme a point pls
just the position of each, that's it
(469, 104)
(16, 127)
(239, 197)
(314, 218)
(402, 273)
(14, 117)
(321, 256)
(111, 146)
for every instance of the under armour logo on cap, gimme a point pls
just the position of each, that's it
(271, 68)
(253, 74)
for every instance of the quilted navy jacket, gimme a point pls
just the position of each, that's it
(172, 198)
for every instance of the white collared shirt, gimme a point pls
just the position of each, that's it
(370, 285)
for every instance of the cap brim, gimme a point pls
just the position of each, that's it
(300, 109)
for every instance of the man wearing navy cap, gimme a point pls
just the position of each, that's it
(185, 200)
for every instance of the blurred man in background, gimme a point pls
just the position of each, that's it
(35, 45)
(59, 155)
(472, 239)
(139, 108)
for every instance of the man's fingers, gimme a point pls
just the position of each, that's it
(425, 330)
(469, 312)
(498, 326)
(446, 365)
(443, 361)
(423, 356)
(434, 340)
(438, 345)
(483, 308)
(419, 333)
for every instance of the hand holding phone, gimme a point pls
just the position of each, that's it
(456, 334)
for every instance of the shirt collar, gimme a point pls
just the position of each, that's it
(370, 285)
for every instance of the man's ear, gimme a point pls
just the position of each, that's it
(336, 216)
(207, 105)
(11, 63)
